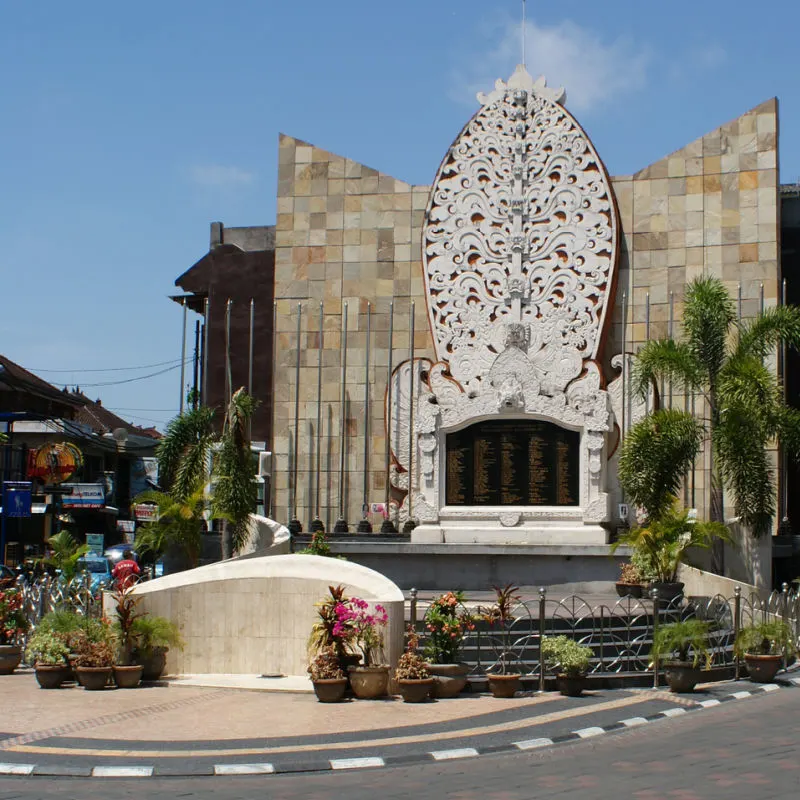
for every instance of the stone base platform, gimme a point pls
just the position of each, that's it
(478, 567)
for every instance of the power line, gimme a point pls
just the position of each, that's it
(130, 380)
(110, 369)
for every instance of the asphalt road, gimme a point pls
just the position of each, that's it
(747, 749)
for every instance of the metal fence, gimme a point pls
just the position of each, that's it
(620, 635)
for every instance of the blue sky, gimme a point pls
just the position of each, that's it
(127, 129)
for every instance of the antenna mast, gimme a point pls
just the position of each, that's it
(523, 33)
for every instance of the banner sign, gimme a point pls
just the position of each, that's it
(84, 495)
(145, 512)
(17, 498)
(126, 525)
(95, 542)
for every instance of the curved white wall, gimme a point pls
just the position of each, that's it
(254, 615)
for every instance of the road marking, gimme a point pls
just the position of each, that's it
(122, 772)
(587, 733)
(740, 695)
(446, 755)
(16, 769)
(674, 712)
(634, 721)
(770, 687)
(244, 769)
(709, 703)
(356, 763)
(532, 744)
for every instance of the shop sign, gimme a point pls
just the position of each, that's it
(84, 495)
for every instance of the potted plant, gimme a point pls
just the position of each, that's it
(571, 662)
(411, 674)
(663, 543)
(13, 624)
(94, 657)
(332, 631)
(763, 645)
(673, 645)
(355, 619)
(500, 615)
(630, 583)
(153, 637)
(446, 621)
(127, 673)
(327, 676)
(48, 652)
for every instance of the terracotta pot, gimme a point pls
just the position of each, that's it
(153, 664)
(629, 589)
(762, 669)
(330, 690)
(128, 677)
(681, 676)
(10, 656)
(369, 683)
(415, 691)
(450, 679)
(570, 685)
(51, 676)
(503, 685)
(94, 678)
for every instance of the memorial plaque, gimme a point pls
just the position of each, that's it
(513, 463)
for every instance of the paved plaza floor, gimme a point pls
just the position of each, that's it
(191, 730)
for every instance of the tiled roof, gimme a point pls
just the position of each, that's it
(100, 419)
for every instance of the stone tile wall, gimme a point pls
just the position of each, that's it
(345, 235)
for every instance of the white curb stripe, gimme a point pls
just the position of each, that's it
(634, 721)
(587, 733)
(122, 772)
(16, 769)
(740, 695)
(673, 712)
(446, 755)
(356, 763)
(532, 744)
(709, 703)
(770, 687)
(795, 681)
(243, 769)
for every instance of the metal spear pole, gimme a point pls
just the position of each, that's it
(364, 525)
(341, 525)
(388, 525)
(252, 347)
(410, 524)
(295, 526)
(228, 375)
(316, 524)
(183, 357)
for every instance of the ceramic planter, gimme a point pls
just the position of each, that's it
(504, 685)
(629, 589)
(10, 656)
(762, 669)
(128, 677)
(51, 676)
(369, 683)
(681, 676)
(667, 592)
(330, 690)
(153, 664)
(450, 679)
(570, 685)
(415, 691)
(94, 678)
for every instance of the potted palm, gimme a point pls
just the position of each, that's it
(153, 638)
(446, 622)
(13, 624)
(571, 662)
(411, 674)
(680, 647)
(48, 653)
(327, 676)
(763, 645)
(501, 616)
(663, 541)
(332, 630)
(631, 582)
(127, 673)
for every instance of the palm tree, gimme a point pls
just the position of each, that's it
(722, 359)
(66, 553)
(235, 488)
(183, 453)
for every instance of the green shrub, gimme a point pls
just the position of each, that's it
(566, 655)
(764, 639)
(677, 639)
(46, 648)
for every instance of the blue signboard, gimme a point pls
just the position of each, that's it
(17, 498)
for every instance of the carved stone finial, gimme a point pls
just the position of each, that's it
(520, 84)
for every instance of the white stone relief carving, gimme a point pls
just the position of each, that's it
(509, 519)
